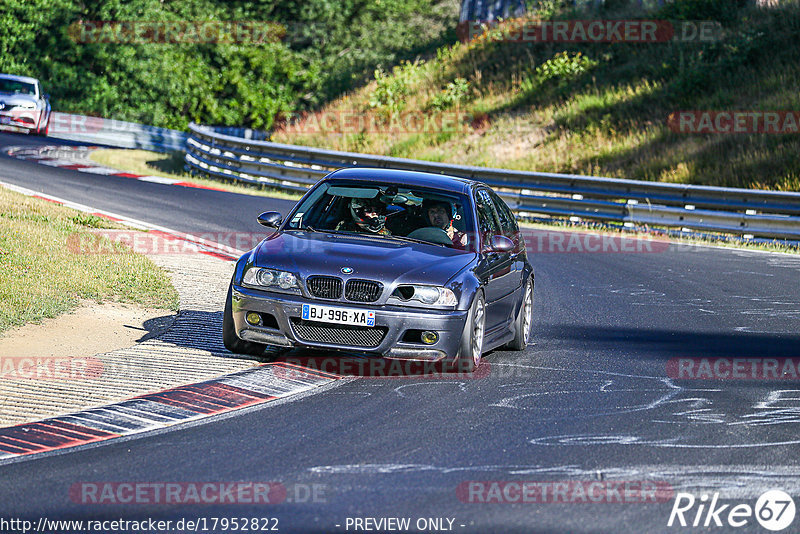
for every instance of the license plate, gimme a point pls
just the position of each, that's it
(328, 314)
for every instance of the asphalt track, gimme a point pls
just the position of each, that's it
(591, 399)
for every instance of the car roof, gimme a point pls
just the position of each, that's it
(25, 79)
(401, 177)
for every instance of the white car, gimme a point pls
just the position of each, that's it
(23, 104)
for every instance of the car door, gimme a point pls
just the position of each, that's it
(494, 268)
(510, 229)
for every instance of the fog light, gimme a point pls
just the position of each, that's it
(429, 338)
(253, 318)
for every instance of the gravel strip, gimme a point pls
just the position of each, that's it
(190, 350)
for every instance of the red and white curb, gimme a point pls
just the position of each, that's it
(177, 405)
(163, 409)
(153, 411)
(203, 245)
(77, 158)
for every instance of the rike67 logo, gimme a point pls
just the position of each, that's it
(774, 510)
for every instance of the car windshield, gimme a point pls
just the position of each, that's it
(16, 87)
(388, 211)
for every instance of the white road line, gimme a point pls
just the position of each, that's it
(98, 170)
(158, 180)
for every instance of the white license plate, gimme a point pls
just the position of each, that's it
(328, 314)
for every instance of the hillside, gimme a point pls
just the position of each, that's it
(597, 109)
(292, 55)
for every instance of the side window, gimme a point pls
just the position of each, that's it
(507, 221)
(487, 218)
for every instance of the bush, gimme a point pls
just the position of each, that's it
(560, 70)
(392, 89)
(456, 93)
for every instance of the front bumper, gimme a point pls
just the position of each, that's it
(26, 119)
(396, 320)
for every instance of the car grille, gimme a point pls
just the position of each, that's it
(352, 336)
(325, 287)
(363, 290)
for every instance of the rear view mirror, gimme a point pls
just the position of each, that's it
(270, 219)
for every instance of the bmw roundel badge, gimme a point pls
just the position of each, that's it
(347, 270)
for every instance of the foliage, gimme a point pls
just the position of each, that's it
(456, 93)
(329, 47)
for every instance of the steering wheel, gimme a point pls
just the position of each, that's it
(432, 234)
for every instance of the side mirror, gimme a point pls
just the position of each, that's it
(499, 243)
(270, 219)
(47, 96)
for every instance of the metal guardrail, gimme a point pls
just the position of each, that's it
(757, 213)
(111, 132)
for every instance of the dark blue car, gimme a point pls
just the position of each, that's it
(401, 264)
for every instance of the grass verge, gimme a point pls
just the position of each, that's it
(40, 277)
(170, 165)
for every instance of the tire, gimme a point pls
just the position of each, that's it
(469, 354)
(524, 319)
(233, 342)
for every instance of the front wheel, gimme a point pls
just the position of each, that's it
(469, 355)
(231, 341)
(524, 319)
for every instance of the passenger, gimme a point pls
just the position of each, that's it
(440, 215)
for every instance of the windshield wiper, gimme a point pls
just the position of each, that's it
(412, 240)
(311, 229)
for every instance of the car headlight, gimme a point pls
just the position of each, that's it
(425, 295)
(261, 278)
(26, 105)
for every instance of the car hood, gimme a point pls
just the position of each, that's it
(15, 99)
(388, 261)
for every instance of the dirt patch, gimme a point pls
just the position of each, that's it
(88, 330)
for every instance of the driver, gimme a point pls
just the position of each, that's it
(440, 215)
(367, 215)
